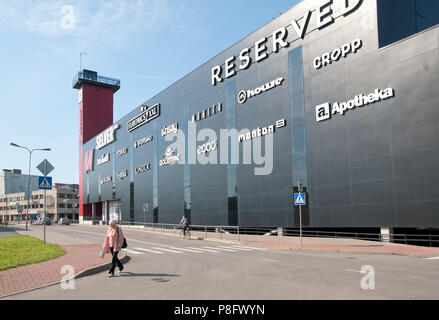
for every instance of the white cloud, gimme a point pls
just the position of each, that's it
(96, 21)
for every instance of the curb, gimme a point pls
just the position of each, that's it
(82, 274)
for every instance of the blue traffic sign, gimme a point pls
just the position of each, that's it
(45, 183)
(299, 199)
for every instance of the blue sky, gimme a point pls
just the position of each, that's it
(148, 44)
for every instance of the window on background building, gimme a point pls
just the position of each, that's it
(399, 19)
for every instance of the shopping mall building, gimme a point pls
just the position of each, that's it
(341, 95)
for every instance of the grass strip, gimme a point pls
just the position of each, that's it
(23, 250)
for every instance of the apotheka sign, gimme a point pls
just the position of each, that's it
(324, 111)
(324, 16)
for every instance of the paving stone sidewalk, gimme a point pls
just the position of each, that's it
(349, 246)
(81, 257)
(80, 254)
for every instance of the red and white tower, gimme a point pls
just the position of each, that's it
(95, 115)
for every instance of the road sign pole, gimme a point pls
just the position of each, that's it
(300, 221)
(44, 215)
(300, 189)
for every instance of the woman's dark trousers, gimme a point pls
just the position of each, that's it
(115, 261)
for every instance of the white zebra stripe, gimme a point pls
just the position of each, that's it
(148, 250)
(131, 251)
(207, 250)
(168, 250)
(188, 250)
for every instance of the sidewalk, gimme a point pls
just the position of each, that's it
(344, 245)
(84, 258)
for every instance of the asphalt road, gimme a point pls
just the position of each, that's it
(167, 267)
(7, 232)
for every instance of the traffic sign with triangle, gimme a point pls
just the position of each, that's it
(299, 199)
(45, 183)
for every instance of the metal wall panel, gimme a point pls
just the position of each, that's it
(375, 166)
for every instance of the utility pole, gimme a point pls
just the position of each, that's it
(28, 177)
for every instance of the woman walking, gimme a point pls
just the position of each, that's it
(113, 244)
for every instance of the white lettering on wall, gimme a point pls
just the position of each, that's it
(173, 128)
(107, 137)
(103, 159)
(244, 96)
(324, 16)
(334, 56)
(324, 111)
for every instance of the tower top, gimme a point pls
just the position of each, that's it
(92, 77)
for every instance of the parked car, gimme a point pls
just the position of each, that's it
(45, 221)
(63, 221)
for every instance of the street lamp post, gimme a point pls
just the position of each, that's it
(28, 178)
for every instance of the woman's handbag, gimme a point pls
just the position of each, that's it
(125, 245)
(102, 254)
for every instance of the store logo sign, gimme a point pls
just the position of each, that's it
(260, 132)
(342, 52)
(170, 157)
(244, 96)
(207, 113)
(143, 168)
(146, 116)
(122, 152)
(173, 128)
(324, 111)
(142, 141)
(325, 14)
(103, 159)
(122, 175)
(106, 180)
(107, 137)
(207, 147)
(88, 161)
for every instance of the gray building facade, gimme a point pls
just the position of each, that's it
(13, 181)
(348, 99)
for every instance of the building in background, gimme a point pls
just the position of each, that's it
(13, 181)
(61, 201)
(347, 89)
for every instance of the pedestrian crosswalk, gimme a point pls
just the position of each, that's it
(167, 249)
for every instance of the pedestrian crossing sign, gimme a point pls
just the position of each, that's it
(45, 183)
(299, 199)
